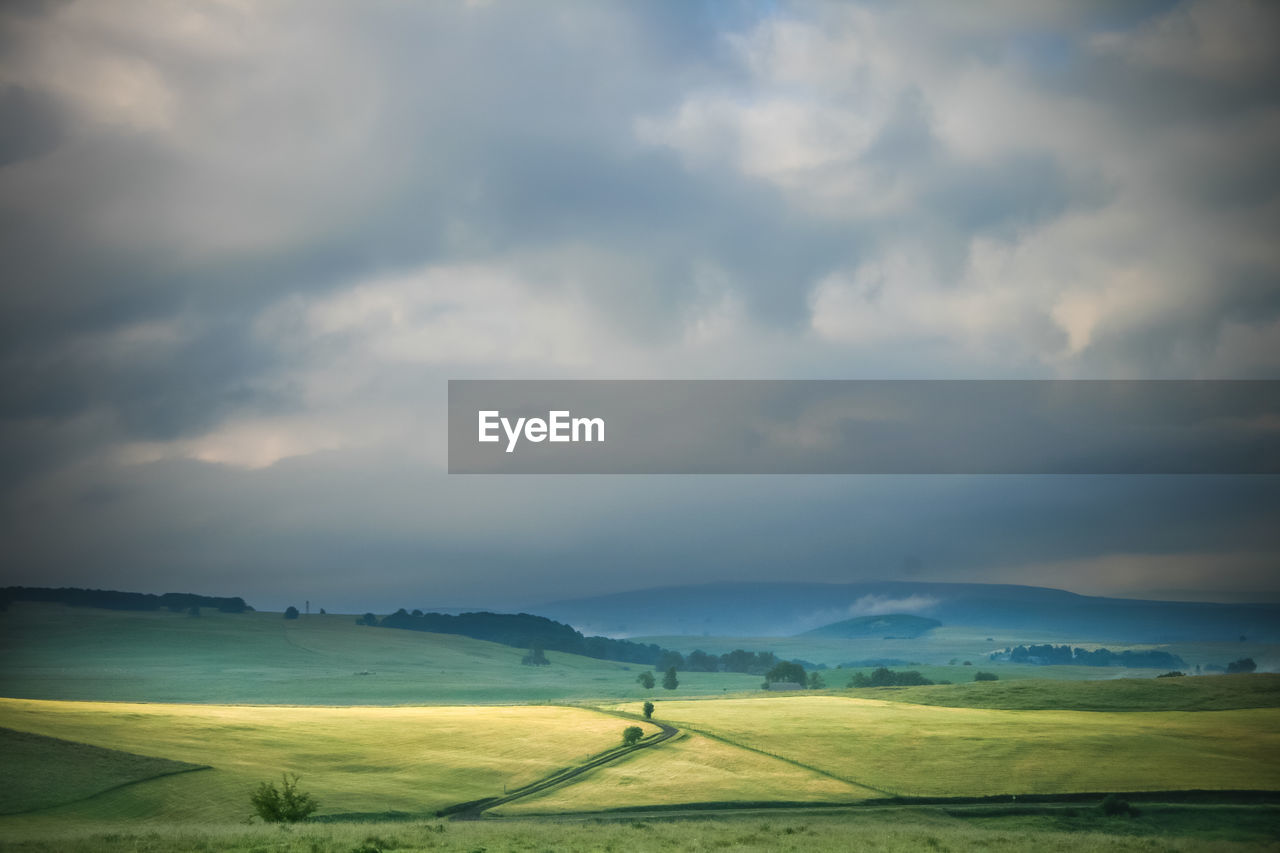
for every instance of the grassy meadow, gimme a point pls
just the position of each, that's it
(361, 759)
(58, 652)
(917, 750)
(108, 712)
(1160, 829)
(54, 771)
(694, 768)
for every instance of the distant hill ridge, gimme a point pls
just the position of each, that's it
(748, 609)
(110, 599)
(889, 626)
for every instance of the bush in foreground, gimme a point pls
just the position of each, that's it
(1113, 806)
(285, 804)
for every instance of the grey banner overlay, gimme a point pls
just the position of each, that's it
(867, 427)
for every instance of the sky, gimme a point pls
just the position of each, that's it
(245, 246)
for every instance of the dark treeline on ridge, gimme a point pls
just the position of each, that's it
(526, 631)
(521, 630)
(109, 599)
(1048, 654)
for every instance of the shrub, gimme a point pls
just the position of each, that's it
(985, 676)
(646, 680)
(536, 657)
(1173, 673)
(1113, 806)
(669, 681)
(787, 670)
(285, 804)
(648, 710)
(1242, 665)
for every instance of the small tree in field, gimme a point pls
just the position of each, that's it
(536, 657)
(291, 612)
(285, 804)
(646, 680)
(669, 681)
(648, 710)
(631, 735)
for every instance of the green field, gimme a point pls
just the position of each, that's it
(1206, 693)
(917, 750)
(1159, 829)
(693, 769)
(59, 652)
(353, 759)
(384, 724)
(53, 771)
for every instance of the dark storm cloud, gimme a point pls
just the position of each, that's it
(235, 237)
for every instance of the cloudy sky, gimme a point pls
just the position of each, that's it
(246, 244)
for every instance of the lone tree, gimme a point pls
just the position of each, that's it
(291, 612)
(648, 710)
(646, 680)
(536, 657)
(985, 676)
(631, 735)
(816, 682)
(669, 681)
(786, 671)
(1242, 665)
(285, 804)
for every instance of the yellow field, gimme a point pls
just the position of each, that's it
(918, 750)
(692, 769)
(357, 759)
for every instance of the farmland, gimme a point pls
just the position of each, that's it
(387, 728)
(915, 750)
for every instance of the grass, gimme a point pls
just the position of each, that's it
(59, 652)
(44, 771)
(916, 750)
(326, 686)
(362, 760)
(1170, 830)
(1202, 693)
(692, 769)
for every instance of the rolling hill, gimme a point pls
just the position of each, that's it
(890, 626)
(786, 609)
(54, 651)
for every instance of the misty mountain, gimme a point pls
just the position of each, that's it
(787, 609)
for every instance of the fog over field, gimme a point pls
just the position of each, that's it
(246, 246)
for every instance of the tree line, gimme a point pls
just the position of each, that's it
(109, 599)
(1048, 655)
(522, 630)
(738, 660)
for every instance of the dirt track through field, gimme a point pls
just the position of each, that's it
(474, 810)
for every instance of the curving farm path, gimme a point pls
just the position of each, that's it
(475, 809)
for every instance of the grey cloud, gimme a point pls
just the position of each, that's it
(376, 140)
